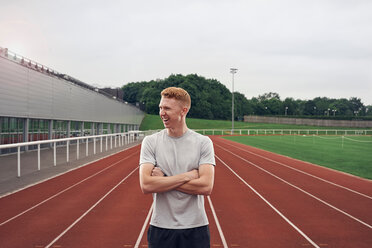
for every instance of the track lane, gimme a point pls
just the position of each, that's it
(215, 236)
(241, 218)
(351, 203)
(216, 240)
(340, 178)
(321, 223)
(215, 226)
(114, 222)
(246, 219)
(21, 201)
(41, 225)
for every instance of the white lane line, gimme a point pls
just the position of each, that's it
(217, 223)
(303, 191)
(303, 172)
(143, 227)
(61, 192)
(268, 203)
(90, 209)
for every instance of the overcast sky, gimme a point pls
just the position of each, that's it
(301, 48)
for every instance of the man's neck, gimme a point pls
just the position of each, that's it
(177, 132)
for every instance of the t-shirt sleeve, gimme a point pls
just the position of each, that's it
(207, 152)
(147, 152)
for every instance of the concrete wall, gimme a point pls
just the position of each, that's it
(310, 122)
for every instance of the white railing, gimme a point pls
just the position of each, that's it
(283, 132)
(111, 140)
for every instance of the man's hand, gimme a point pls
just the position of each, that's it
(157, 172)
(194, 174)
(202, 184)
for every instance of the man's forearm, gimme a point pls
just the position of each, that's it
(202, 185)
(156, 184)
(199, 182)
(199, 186)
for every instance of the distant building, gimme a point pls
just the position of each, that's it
(38, 103)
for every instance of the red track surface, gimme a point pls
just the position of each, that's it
(260, 199)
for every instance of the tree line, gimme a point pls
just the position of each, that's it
(212, 100)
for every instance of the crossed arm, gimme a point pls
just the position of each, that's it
(195, 182)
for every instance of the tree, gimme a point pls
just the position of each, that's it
(291, 104)
(310, 108)
(212, 100)
(357, 106)
(242, 106)
(209, 98)
(369, 110)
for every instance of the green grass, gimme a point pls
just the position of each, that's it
(153, 122)
(354, 157)
(350, 156)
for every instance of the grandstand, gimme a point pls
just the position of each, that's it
(39, 103)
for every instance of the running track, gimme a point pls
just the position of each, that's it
(260, 199)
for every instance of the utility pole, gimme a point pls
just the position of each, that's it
(232, 71)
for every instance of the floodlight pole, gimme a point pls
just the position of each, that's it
(232, 71)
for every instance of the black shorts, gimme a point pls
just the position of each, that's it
(197, 237)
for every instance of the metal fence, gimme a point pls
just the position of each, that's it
(282, 132)
(106, 142)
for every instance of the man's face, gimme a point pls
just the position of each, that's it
(171, 112)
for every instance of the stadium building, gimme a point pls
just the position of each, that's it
(38, 103)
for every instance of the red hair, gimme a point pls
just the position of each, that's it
(178, 94)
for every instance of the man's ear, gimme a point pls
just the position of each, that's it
(185, 110)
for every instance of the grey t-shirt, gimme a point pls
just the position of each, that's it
(175, 209)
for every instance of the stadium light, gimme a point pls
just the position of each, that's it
(232, 71)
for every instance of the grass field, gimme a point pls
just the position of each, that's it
(153, 122)
(354, 157)
(351, 154)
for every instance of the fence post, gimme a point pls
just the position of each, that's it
(19, 161)
(86, 147)
(77, 149)
(55, 153)
(101, 143)
(68, 150)
(94, 145)
(38, 156)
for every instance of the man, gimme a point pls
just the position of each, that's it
(177, 166)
